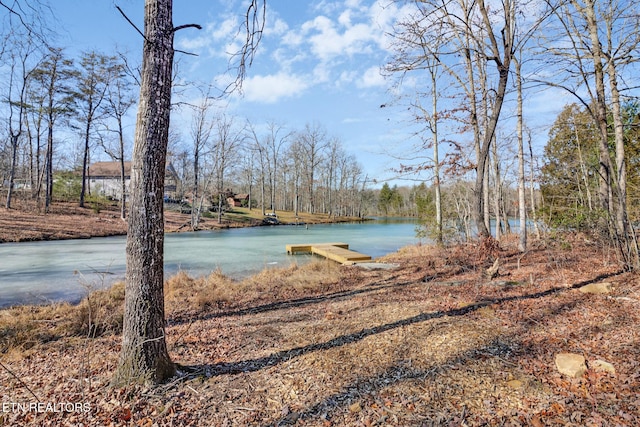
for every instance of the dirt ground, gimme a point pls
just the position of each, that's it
(68, 221)
(431, 342)
(26, 222)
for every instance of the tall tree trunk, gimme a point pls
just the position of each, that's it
(296, 195)
(16, 124)
(583, 169)
(49, 169)
(144, 356)
(522, 206)
(262, 185)
(497, 191)
(436, 154)
(51, 116)
(622, 217)
(123, 183)
(605, 189)
(12, 171)
(503, 64)
(532, 192)
(195, 211)
(85, 161)
(221, 196)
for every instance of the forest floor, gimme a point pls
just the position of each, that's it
(26, 222)
(429, 342)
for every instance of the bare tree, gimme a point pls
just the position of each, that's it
(258, 148)
(532, 193)
(20, 70)
(598, 41)
(118, 101)
(522, 206)
(35, 123)
(420, 47)
(144, 355)
(29, 17)
(334, 154)
(296, 154)
(93, 80)
(225, 151)
(276, 140)
(24, 30)
(313, 141)
(248, 171)
(500, 51)
(465, 38)
(201, 128)
(51, 81)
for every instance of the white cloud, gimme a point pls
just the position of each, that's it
(327, 41)
(342, 45)
(226, 30)
(279, 27)
(349, 120)
(384, 15)
(371, 78)
(217, 39)
(322, 73)
(272, 88)
(326, 7)
(345, 18)
(347, 77)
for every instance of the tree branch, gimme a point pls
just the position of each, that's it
(182, 27)
(13, 12)
(19, 380)
(254, 27)
(131, 22)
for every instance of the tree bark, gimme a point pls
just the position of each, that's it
(503, 66)
(144, 356)
(12, 171)
(605, 191)
(85, 158)
(522, 206)
(436, 159)
(123, 182)
(623, 226)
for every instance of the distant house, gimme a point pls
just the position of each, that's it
(238, 200)
(105, 179)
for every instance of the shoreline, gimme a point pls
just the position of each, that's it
(67, 221)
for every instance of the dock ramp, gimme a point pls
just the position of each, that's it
(338, 252)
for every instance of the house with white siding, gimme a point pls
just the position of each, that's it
(105, 179)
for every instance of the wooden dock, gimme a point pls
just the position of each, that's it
(339, 252)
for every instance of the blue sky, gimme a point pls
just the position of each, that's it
(318, 63)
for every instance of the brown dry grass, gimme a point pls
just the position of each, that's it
(101, 311)
(24, 328)
(431, 342)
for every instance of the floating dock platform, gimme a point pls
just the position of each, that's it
(339, 252)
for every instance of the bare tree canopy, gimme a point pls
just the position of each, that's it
(25, 17)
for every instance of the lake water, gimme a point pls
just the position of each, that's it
(40, 272)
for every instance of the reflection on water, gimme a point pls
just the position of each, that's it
(37, 272)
